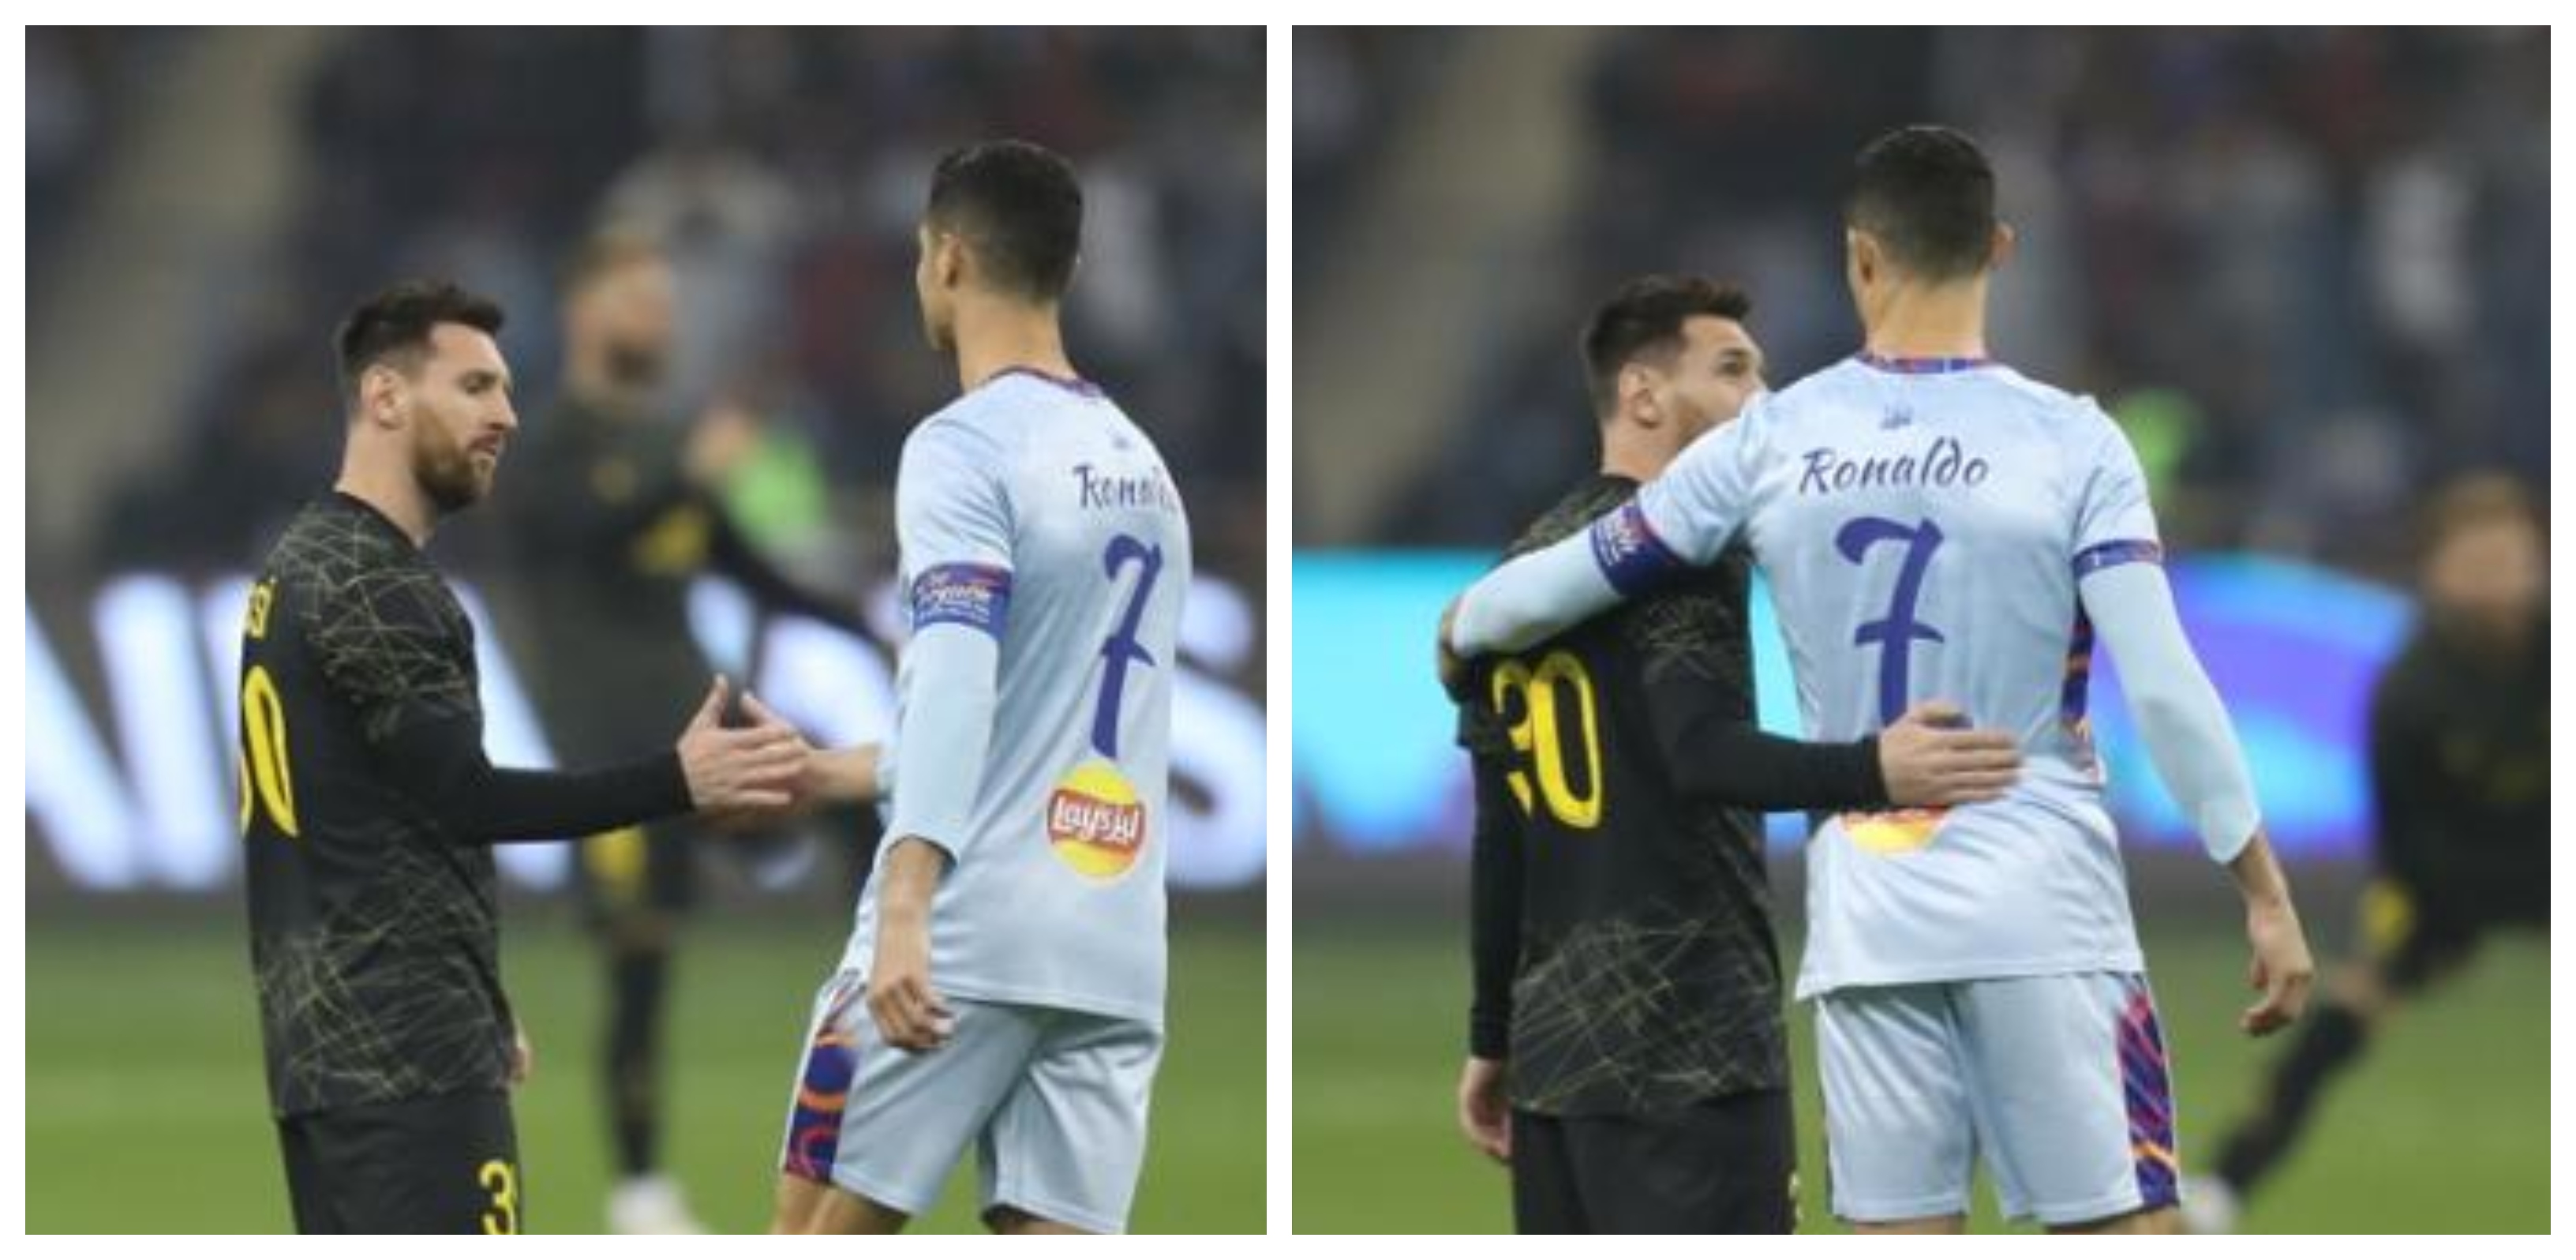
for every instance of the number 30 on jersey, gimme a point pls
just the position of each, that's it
(266, 783)
(1533, 701)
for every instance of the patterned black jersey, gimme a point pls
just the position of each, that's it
(374, 935)
(1647, 974)
(2459, 751)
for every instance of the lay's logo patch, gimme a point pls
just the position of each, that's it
(977, 596)
(1894, 831)
(1094, 821)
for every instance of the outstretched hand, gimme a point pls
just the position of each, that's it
(736, 769)
(817, 781)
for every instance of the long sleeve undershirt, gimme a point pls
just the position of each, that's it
(441, 763)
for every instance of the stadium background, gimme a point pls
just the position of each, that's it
(202, 207)
(2298, 266)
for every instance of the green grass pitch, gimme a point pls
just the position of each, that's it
(2442, 1127)
(146, 1112)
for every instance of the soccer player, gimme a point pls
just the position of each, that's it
(1934, 523)
(632, 516)
(1003, 985)
(368, 809)
(1628, 1055)
(2459, 761)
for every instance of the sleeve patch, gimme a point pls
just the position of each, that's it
(977, 596)
(1629, 553)
(2121, 551)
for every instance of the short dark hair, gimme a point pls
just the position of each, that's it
(1644, 319)
(1927, 193)
(1018, 207)
(396, 323)
(605, 251)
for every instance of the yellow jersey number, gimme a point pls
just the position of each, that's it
(266, 783)
(1531, 700)
(502, 1180)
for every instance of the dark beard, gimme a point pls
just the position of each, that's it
(2493, 643)
(446, 474)
(636, 368)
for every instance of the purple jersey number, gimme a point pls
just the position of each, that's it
(1896, 632)
(1121, 649)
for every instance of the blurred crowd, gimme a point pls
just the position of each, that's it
(1350, 82)
(79, 83)
(784, 171)
(2306, 269)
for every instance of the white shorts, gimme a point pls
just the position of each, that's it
(1053, 1099)
(2060, 1081)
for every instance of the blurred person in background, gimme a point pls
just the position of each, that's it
(1628, 1052)
(2459, 764)
(631, 515)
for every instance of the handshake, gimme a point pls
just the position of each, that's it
(766, 771)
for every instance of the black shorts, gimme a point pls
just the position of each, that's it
(2419, 933)
(1725, 1166)
(443, 1165)
(636, 871)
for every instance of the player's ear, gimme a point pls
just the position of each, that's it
(948, 259)
(380, 395)
(2000, 250)
(1637, 396)
(1862, 249)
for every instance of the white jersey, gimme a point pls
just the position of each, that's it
(1033, 512)
(1924, 524)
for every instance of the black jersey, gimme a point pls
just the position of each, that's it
(2459, 753)
(609, 532)
(1618, 877)
(373, 932)
(608, 535)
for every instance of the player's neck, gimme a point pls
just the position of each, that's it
(1930, 322)
(1625, 453)
(394, 492)
(995, 339)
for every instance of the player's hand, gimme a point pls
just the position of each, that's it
(850, 775)
(523, 1056)
(909, 1013)
(720, 442)
(811, 786)
(1452, 668)
(828, 776)
(1929, 758)
(737, 769)
(1485, 1108)
(2282, 970)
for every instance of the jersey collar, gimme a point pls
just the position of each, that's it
(1923, 366)
(1069, 384)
